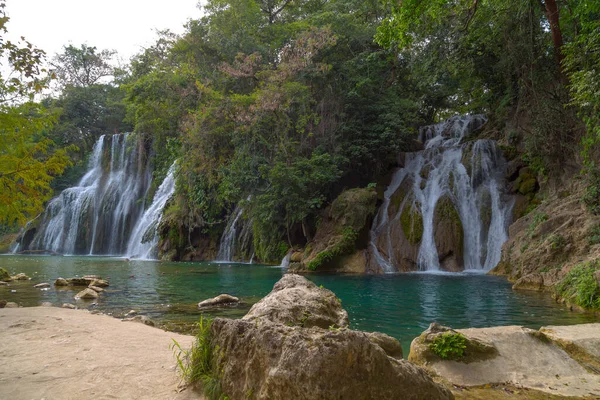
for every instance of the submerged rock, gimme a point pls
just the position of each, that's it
(86, 294)
(295, 300)
(294, 344)
(42, 285)
(222, 299)
(61, 282)
(96, 289)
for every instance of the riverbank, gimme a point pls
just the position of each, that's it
(56, 353)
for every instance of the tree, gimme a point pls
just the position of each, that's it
(84, 66)
(27, 159)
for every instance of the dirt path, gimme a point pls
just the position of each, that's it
(52, 353)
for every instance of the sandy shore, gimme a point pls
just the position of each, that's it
(53, 353)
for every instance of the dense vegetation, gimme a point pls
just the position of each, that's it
(281, 105)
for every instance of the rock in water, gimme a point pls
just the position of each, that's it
(20, 277)
(280, 350)
(101, 283)
(297, 301)
(42, 285)
(86, 294)
(96, 289)
(61, 282)
(69, 305)
(221, 299)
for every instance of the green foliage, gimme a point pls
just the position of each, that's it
(82, 66)
(412, 224)
(537, 219)
(4, 275)
(449, 346)
(594, 235)
(557, 241)
(28, 158)
(591, 195)
(344, 245)
(580, 287)
(199, 365)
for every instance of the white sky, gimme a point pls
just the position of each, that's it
(124, 25)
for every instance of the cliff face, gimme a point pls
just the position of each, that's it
(551, 243)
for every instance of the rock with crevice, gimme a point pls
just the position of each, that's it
(86, 294)
(295, 344)
(297, 301)
(220, 300)
(524, 357)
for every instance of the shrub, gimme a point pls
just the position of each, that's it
(538, 218)
(580, 286)
(199, 364)
(557, 241)
(594, 237)
(449, 346)
(591, 196)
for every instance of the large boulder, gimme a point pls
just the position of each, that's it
(276, 361)
(86, 294)
(295, 344)
(297, 301)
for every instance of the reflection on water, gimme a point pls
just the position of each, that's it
(402, 305)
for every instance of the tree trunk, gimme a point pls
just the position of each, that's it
(554, 20)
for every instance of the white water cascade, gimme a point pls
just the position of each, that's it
(144, 237)
(97, 216)
(449, 177)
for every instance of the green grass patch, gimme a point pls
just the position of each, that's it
(580, 287)
(449, 346)
(199, 364)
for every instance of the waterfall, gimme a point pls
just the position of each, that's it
(144, 236)
(98, 215)
(228, 239)
(445, 209)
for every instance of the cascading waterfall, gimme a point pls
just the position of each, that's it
(98, 215)
(144, 237)
(445, 209)
(236, 240)
(227, 246)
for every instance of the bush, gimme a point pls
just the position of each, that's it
(580, 286)
(199, 365)
(591, 196)
(449, 346)
(594, 237)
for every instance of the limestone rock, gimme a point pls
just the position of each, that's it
(46, 304)
(101, 283)
(20, 277)
(533, 281)
(276, 361)
(582, 342)
(142, 319)
(61, 282)
(86, 294)
(222, 299)
(96, 289)
(42, 285)
(2, 283)
(296, 257)
(475, 350)
(69, 305)
(390, 345)
(11, 304)
(295, 300)
(4, 275)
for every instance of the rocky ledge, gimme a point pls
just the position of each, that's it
(561, 360)
(295, 344)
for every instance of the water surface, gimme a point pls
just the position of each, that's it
(401, 305)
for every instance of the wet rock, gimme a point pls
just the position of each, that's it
(533, 281)
(79, 281)
(69, 305)
(142, 319)
(20, 277)
(2, 283)
(86, 294)
(61, 282)
(42, 285)
(101, 283)
(295, 300)
(4, 275)
(96, 289)
(222, 299)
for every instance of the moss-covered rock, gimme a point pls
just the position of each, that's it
(448, 235)
(412, 224)
(4, 275)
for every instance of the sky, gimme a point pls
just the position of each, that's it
(127, 26)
